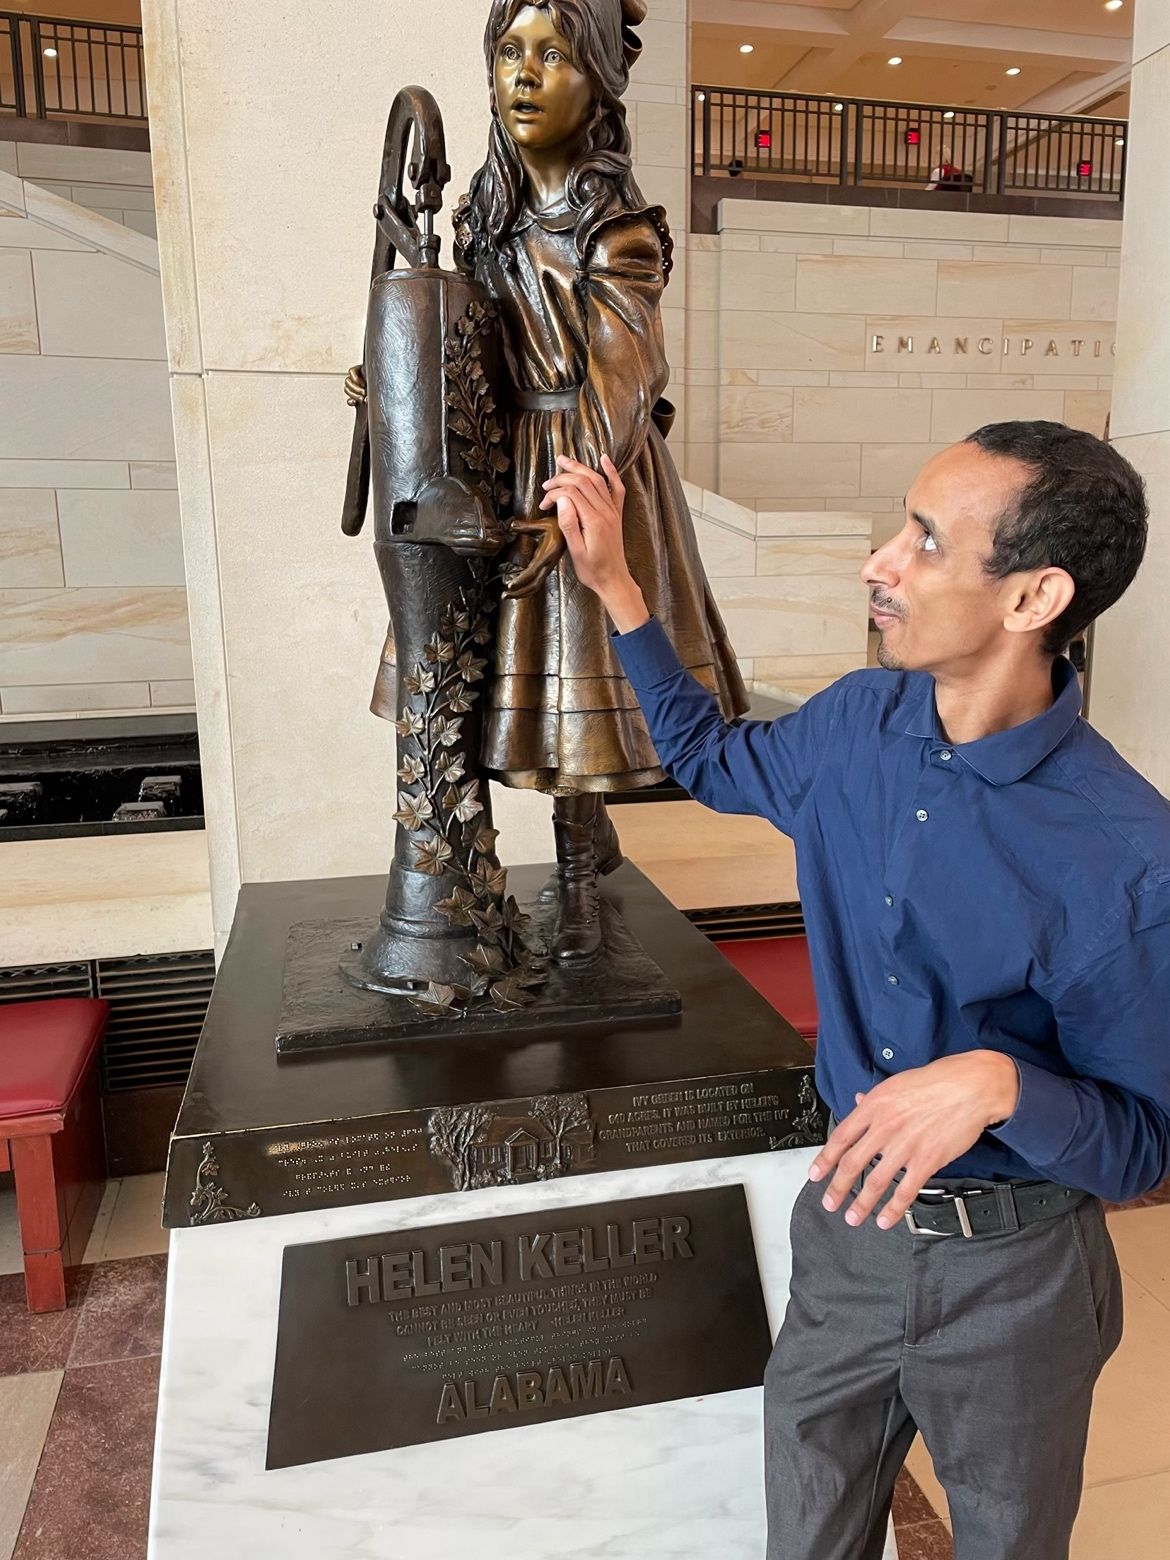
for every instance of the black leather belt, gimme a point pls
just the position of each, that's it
(997, 1211)
(548, 400)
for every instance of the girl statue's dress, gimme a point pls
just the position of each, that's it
(583, 343)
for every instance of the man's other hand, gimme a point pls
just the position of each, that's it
(589, 512)
(917, 1121)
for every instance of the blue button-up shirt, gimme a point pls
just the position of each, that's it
(1009, 894)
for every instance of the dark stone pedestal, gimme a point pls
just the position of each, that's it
(321, 1008)
(262, 1134)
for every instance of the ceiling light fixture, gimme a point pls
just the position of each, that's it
(1012, 70)
(50, 54)
(702, 97)
(1120, 141)
(950, 114)
(894, 59)
(747, 48)
(1114, 5)
(838, 108)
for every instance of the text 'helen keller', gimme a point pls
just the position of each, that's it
(407, 1274)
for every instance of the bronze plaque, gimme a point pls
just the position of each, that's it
(424, 1334)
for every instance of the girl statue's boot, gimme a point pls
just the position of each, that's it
(607, 852)
(577, 934)
(607, 848)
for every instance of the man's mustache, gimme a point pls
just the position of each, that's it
(887, 605)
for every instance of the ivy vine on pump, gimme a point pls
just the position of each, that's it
(441, 808)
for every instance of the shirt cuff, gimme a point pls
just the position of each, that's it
(1044, 1120)
(647, 655)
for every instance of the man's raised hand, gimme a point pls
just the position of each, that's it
(589, 512)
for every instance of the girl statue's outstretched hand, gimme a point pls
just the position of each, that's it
(549, 551)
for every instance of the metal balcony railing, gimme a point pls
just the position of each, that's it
(852, 141)
(51, 68)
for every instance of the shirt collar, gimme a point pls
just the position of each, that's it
(1005, 756)
(557, 219)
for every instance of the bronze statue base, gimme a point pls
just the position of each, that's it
(261, 1134)
(323, 1006)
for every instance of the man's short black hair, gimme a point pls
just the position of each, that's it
(1082, 509)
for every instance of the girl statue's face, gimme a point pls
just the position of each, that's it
(542, 98)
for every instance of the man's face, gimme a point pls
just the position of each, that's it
(932, 602)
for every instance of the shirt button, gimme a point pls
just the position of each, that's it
(893, 979)
(945, 755)
(890, 900)
(887, 1055)
(922, 815)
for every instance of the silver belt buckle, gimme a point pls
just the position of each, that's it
(964, 1220)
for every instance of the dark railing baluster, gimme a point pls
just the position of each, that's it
(859, 144)
(17, 54)
(38, 69)
(843, 142)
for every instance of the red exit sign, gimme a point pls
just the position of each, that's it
(1084, 170)
(763, 140)
(913, 136)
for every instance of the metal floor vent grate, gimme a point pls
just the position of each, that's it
(157, 1007)
(738, 923)
(35, 982)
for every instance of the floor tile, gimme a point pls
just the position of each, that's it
(135, 1226)
(926, 1541)
(11, 1258)
(122, 1316)
(910, 1504)
(921, 1470)
(699, 858)
(1127, 1434)
(101, 1224)
(91, 1494)
(1128, 1519)
(26, 1407)
(29, 1342)
(1142, 1239)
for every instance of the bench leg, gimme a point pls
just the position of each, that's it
(59, 1182)
(40, 1226)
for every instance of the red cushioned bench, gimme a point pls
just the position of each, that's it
(51, 1134)
(778, 968)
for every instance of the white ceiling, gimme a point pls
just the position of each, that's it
(1073, 55)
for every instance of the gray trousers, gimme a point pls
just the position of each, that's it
(990, 1347)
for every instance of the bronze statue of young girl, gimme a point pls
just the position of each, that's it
(558, 233)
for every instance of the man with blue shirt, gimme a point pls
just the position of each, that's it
(986, 889)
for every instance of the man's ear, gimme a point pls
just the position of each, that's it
(1038, 599)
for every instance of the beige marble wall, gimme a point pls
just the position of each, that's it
(1131, 665)
(831, 350)
(789, 589)
(92, 601)
(116, 184)
(659, 114)
(265, 237)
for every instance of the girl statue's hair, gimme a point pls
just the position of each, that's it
(601, 183)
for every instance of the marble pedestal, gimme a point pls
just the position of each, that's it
(673, 1481)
